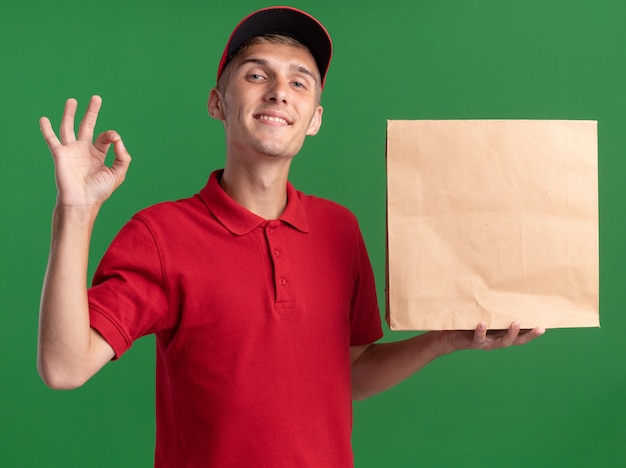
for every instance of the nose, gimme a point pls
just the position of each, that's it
(277, 91)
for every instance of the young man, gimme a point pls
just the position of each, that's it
(262, 298)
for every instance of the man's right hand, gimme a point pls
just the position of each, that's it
(69, 350)
(83, 180)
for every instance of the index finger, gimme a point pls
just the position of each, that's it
(88, 124)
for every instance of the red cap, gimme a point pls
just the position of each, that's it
(286, 21)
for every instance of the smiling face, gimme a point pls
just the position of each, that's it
(269, 101)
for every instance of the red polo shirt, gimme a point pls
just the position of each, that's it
(254, 320)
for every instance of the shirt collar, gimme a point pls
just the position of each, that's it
(238, 219)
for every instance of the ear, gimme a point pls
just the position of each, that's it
(316, 121)
(215, 105)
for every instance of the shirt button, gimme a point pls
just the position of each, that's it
(276, 253)
(283, 281)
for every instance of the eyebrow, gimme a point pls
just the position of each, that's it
(293, 67)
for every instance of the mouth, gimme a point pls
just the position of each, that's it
(272, 118)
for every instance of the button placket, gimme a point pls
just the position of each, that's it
(284, 293)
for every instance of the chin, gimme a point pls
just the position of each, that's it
(274, 151)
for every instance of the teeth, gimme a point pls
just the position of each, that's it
(272, 119)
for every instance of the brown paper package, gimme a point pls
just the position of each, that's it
(492, 220)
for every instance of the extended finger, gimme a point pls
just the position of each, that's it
(88, 124)
(527, 336)
(480, 335)
(48, 134)
(67, 122)
(509, 338)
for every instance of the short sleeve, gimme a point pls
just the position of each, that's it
(129, 298)
(365, 322)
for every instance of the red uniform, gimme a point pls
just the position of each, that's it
(253, 319)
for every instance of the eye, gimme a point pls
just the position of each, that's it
(298, 84)
(255, 75)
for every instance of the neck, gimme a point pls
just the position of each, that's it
(261, 189)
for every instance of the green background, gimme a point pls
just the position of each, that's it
(560, 401)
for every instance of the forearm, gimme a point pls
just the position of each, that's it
(65, 337)
(381, 366)
(384, 365)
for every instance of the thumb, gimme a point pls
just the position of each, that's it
(122, 158)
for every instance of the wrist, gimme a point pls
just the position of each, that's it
(74, 215)
(445, 342)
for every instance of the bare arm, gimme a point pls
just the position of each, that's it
(380, 366)
(69, 351)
